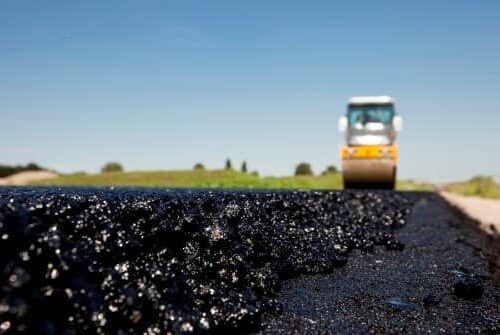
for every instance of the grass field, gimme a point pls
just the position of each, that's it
(480, 186)
(212, 179)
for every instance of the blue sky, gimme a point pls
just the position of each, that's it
(165, 84)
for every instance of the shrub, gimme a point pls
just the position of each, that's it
(303, 169)
(254, 173)
(199, 166)
(331, 169)
(112, 167)
(33, 167)
(483, 185)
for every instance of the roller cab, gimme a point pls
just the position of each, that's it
(369, 157)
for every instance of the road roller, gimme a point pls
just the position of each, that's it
(369, 156)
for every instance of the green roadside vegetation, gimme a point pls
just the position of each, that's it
(412, 185)
(196, 178)
(210, 179)
(480, 186)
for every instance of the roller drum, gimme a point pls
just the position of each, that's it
(369, 173)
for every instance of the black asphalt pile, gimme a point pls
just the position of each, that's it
(152, 261)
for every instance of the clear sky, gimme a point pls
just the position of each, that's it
(165, 84)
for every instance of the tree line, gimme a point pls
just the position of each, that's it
(302, 169)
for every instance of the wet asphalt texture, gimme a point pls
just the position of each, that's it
(134, 261)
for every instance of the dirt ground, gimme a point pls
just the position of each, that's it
(26, 177)
(484, 211)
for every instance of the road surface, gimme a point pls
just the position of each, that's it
(134, 261)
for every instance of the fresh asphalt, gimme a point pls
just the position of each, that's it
(153, 261)
(442, 282)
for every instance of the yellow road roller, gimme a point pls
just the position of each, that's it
(369, 157)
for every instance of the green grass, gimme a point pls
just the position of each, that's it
(196, 178)
(481, 186)
(205, 178)
(412, 185)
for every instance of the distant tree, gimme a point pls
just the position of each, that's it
(303, 169)
(199, 166)
(331, 169)
(229, 166)
(244, 167)
(112, 167)
(254, 173)
(6, 170)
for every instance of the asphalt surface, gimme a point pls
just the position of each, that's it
(439, 283)
(134, 261)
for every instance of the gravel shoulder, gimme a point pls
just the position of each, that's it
(27, 177)
(485, 211)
